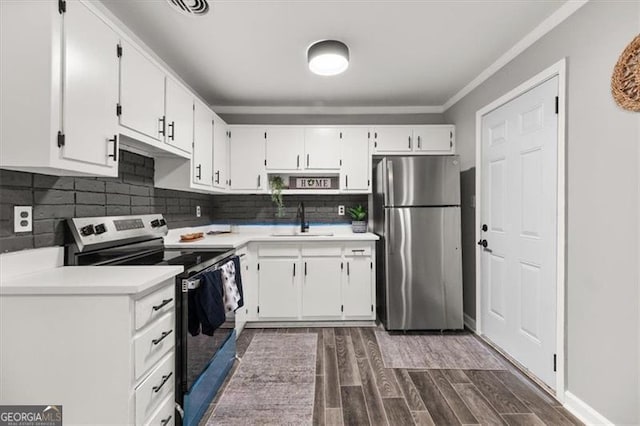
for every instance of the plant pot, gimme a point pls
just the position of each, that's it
(359, 226)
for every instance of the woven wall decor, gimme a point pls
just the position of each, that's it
(625, 82)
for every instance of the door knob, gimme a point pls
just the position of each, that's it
(483, 243)
(484, 227)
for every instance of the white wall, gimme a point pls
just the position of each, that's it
(603, 201)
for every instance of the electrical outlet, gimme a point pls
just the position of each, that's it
(340, 210)
(22, 218)
(198, 211)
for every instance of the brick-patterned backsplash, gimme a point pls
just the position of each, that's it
(56, 198)
(255, 209)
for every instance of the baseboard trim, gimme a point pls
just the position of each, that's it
(583, 411)
(309, 324)
(470, 323)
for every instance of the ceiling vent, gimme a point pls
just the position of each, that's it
(190, 7)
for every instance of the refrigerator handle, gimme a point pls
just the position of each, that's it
(388, 231)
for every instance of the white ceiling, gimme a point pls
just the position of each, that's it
(403, 53)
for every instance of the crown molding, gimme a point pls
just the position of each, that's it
(555, 19)
(322, 110)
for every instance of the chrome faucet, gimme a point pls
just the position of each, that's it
(304, 226)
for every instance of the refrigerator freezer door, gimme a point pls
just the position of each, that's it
(423, 273)
(421, 181)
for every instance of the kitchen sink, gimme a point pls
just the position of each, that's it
(302, 234)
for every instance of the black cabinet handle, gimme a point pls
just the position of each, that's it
(115, 148)
(259, 176)
(161, 338)
(156, 389)
(218, 176)
(305, 269)
(357, 251)
(307, 160)
(165, 421)
(199, 167)
(346, 181)
(418, 142)
(162, 130)
(347, 268)
(172, 126)
(409, 142)
(294, 269)
(164, 303)
(298, 161)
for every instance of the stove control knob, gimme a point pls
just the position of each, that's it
(100, 229)
(163, 222)
(87, 230)
(155, 223)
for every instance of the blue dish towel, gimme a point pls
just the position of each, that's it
(207, 304)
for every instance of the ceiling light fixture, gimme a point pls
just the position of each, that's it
(328, 57)
(190, 7)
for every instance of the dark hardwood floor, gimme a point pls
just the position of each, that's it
(353, 387)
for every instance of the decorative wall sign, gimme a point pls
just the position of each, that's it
(313, 182)
(625, 82)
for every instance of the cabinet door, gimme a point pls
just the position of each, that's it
(246, 158)
(203, 145)
(285, 147)
(356, 161)
(90, 92)
(321, 148)
(433, 139)
(278, 292)
(141, 93)
(321, 287)
(220, 153)
(392, 139)
(179, 116)
(357, 290)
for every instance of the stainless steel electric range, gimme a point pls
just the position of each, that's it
(202, 362)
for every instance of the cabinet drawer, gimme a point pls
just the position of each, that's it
(357, 250)
(155, 305)
(313, 250)
(279, 250)
(154, 390)
(153, 343)
(164, 416)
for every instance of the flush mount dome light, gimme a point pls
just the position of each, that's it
(328, 57)
(190, 7)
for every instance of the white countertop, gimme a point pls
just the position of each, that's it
(242, 235)
(88, 280)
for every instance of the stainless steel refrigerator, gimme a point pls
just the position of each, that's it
(416, 213)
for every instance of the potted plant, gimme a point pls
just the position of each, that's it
(358, 224)
(276, 184)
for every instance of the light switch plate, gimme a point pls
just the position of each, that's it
(198, 211)
(341, 210)
(22, 218)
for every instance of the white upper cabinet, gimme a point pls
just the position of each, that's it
(356, 160)
(434, 139)
(179, 116)
(392, 139)
(220, 153)
(142, 88)
(247, 158)
(285, 148)
(321, 148)
(202, 163)
(59, 79)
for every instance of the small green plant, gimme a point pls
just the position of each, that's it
(276, 184)
(358, 213)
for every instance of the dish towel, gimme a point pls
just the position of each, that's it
(207, 303)
(232, 284)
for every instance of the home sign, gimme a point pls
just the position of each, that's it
(309, 182)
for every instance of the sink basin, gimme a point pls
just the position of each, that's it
(302, 234)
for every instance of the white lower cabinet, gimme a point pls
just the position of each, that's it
(313, 282)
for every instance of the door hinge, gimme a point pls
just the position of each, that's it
(341, 308)
(451, 144)
(229, 182)
(265, 135)
(368, 182)
(258, 266)
(62, 6)
(371, 308)
(265, 161)
(118, 110)
(341, 162)
(368, 135)
(341, 265)
(375, 144)
(258, 309)
(557, 108)
(340, 135)
(119, 50)
(371, 264)
(554, 358)
(60, 139)
(229, 134)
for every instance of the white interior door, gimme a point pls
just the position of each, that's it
(519, 209)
